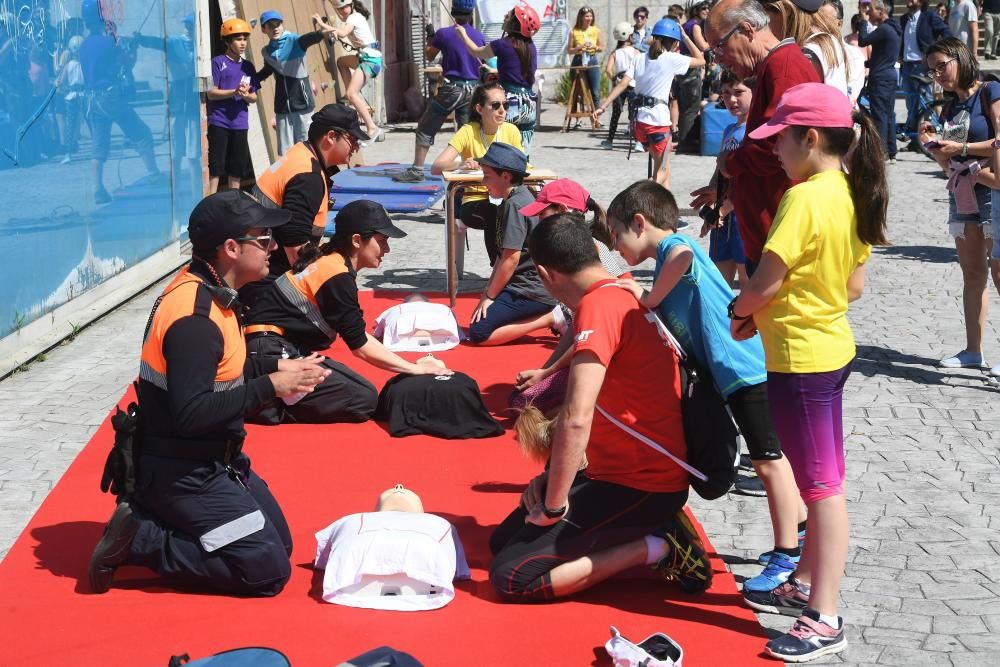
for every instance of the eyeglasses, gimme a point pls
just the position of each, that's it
(496, 105)
(939, 70)
(263, 241)
(721, 44)
(641, 16)
(351, 139)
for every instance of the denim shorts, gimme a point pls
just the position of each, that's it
(725, 244)
(508, 308)
(957, 221)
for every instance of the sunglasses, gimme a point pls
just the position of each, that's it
(351, 139)
(641, 16)
(264, 240)
(497, 105)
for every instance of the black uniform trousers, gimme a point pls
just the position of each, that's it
(882, 99)
(343, 397)
(178, 501)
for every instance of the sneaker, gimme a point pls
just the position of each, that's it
(891, 160)
(682, 224)
(964, 359)
(114, 547)
(686, 561)
(607, 144)
(995, 371)
(786, 598)
(412, 174)
(765, 557)
(750, 486)
(776, 572)
(809, 638)
(638, 148)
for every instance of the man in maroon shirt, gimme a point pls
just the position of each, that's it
(739, 34)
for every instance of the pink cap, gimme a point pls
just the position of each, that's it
(808, 105)
(560, 191)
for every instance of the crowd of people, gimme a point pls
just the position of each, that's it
(795, 202)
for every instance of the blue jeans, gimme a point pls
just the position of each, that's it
(912, 88)
(593, 74)
(509, 307)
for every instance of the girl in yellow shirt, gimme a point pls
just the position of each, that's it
(812, 266)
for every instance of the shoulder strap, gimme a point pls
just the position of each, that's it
(653, 444)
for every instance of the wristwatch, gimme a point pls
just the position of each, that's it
(732, 313)
(556, 513)
(965, 149)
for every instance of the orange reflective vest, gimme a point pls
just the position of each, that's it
(300, 288)
(184, 297)
(300, 159)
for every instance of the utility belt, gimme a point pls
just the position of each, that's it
(461, 83)
(209, 451)
(645, 101)
(263, 328)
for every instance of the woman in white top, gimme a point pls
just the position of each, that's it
(366, 61)
(819, 38)
(653, 76)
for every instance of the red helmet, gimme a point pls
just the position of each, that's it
(528, 19)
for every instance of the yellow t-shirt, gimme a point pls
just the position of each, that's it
(471, 142)
(804, 328)
(589, 35)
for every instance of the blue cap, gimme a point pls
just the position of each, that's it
(667, 28)
(506, 157)
(271, 15)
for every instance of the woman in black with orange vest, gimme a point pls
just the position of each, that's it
(305, 309)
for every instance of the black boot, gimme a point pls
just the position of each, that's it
(114, 547)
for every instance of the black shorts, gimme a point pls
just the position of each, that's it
(601, 515)
(228, 152)
(753, 417)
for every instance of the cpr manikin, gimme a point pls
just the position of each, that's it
(397, 557)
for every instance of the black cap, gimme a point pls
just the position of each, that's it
(809, 6)
(229, 214)
(339, 117)
(364, 216)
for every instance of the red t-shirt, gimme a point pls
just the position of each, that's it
(642, 389)
(758, 180)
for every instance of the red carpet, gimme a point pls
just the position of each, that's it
(319, 473)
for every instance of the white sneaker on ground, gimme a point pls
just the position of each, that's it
(965, 359)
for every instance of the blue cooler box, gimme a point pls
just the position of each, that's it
(714, 121)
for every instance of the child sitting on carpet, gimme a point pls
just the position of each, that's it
(514, 302)
(396, 558)
(691, 297)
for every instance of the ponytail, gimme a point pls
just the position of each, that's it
(360, 9)
(866, 174)
(342, 244)
(599, 224)
(864, 154)
(533, 432)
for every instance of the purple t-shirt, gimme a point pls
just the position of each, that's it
(227, 74)
(509, 64)
(456, 61)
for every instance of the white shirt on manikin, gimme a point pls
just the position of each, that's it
(403, 561)
(396, 327)
(653, 78)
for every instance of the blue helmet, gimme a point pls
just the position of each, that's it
(667, 28)
(463, 6)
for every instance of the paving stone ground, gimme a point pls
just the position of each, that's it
(922, 584)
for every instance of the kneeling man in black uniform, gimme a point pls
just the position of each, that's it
(199, 515)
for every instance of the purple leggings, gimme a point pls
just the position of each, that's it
(807, 416)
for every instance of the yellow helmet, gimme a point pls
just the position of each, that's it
(234, 27)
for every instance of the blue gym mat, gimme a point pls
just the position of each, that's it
(378, 178)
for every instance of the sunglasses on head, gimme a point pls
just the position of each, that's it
(496, 105)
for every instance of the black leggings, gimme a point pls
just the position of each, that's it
(343, 397)
(481, 214)
(601, 515)
(753, 417)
